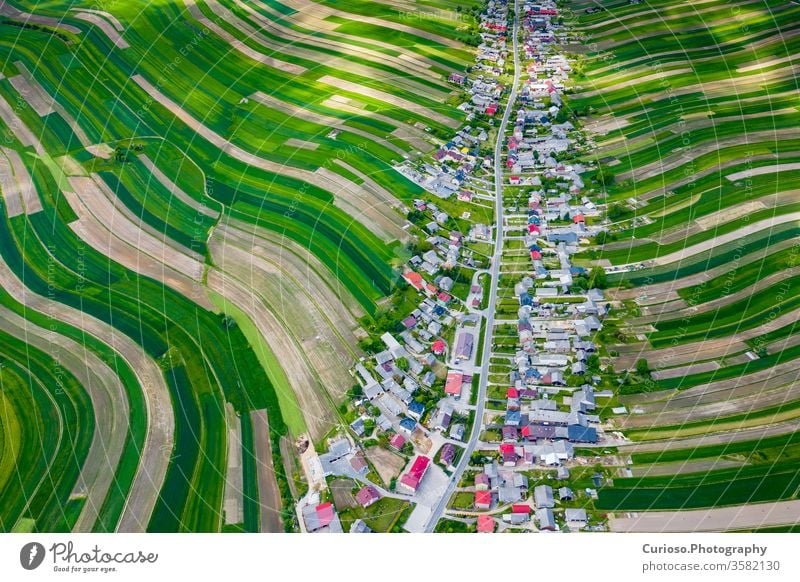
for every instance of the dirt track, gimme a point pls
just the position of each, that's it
(711, 520)
(108, 29)
(17, 128)
(174, 189)
(268, 493)
(8, 10)
(747, 434)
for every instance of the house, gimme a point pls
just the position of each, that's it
(411, 480)
(482, 482)
(359, 463)
(414, 279)
(408, 424)
(565, 494)
(358, 426)
(513, 418)
(545, 518)
(367, 496)
(581, 434)
(321, 518)
(485, 524)
(543, 496)
(464, 346)
(416, 409)
(441, 420)
(438, 347)
(457, 432)
(428, 379)
(521, 508)
(447, 454)
(507, 494)
(453, 383)
(575, 515)
(509, 454)
(384, 423)
(483, 499)
(360, 527)
(397, 441)
(562, 473)
(457, 78)
(510, 433)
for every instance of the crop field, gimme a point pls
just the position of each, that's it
(692, 108)
(197, 206)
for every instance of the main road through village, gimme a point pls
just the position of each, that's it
(438, 510)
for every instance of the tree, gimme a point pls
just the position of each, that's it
(642, 367)
(597, 278)
(617, 211)
(356, 391)
(402, 363)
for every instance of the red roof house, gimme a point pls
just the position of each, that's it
(483, 499)
(482, 481)
(397, 441)
(512, 393)
(521, 508)
(453, 384)
(414, 279)
(536, 255)
(325, 513)
(578, 218)
(438, 347)
(509, 454)
(411, 480)
(367, 496)
(485, 524)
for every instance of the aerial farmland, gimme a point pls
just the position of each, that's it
(399, 266)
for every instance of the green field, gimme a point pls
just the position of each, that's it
(248, 138)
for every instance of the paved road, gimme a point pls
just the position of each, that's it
(438, 510)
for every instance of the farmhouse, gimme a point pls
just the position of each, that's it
(321, 518)
(367, 496)
(543, 496)
(411, 480)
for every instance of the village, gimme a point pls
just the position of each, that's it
(511, 460)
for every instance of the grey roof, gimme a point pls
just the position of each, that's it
(543, 495)
(575, 514)
(339, 448)
(509, 494)
(545, 518)
(360, 527)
